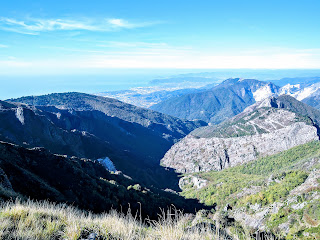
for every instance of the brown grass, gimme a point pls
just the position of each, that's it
(43, 220)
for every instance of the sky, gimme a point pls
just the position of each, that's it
(91, 37)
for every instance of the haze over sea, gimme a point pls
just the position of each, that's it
(120, 79)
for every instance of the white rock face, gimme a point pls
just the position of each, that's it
(255, 221)
(19, 115)
(194, 154)
(58, 115)
(264, 92)
(192, 180)
(108, 164)
(299, 92)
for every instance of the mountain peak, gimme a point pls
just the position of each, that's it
(232, 80)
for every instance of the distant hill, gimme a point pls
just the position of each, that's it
(296, 80)
(219, 103)
(184, 79)
(148, 96)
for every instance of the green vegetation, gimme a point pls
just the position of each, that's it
(257, 185)
(278, 191)
(303, 223)
(222, 187)
(225, 185)
(280, 162)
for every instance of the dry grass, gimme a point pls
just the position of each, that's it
(43, 220)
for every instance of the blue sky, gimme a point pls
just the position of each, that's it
(66, 37)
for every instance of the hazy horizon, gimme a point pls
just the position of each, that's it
(15, 86)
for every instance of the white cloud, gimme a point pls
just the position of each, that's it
(119, 23)
(187, 60)
(35, 26)
(3, 46)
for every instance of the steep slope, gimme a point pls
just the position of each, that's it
(278, 194)
(219, 103)
(266, 128)
(313, 100)
(135, 139)
(40, 175)
(29, 126)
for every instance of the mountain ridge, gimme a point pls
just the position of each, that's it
(135, 139)
(217, 104)
(262, 129)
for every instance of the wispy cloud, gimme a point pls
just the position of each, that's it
(127, 48)
(3, 46)
(36, 26)
(121, 23)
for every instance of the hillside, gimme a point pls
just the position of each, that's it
(47, 221)
(253, 119)
(277, 194)
(265, 128)
(89, 126)
(40, 175)
(219, 103)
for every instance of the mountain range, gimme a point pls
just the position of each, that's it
(218, 103)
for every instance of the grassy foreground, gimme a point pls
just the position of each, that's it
(43, 220)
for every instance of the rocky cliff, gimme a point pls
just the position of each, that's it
(263, 129)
